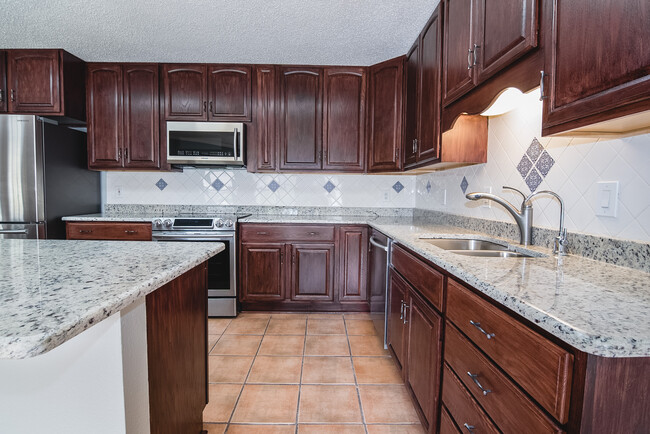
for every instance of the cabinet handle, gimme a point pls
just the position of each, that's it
(261, 233)
(211, 109)
(542, 97)
(478, 326)
(281, 257)
(401, 311)
(469, 58)
(415, 150)
(85, 231)
(130, 232)
(205, 106)
(469, 428)
(13, 95)
(126, 153)
(312, 233)
(405, 313)
(2, 95)
(474, 378)
(476, 47)
(119, 154)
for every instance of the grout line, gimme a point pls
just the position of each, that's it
(356, 382)
(302, 366)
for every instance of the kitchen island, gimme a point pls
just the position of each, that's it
(95, 336)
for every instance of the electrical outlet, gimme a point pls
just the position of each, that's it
(118, 191)
(444, 197)
(386, 196)
(486, 203)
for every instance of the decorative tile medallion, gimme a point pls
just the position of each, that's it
(524, 166)
(398, 186)
(535, 165)
(545, 163)
(161, 184)
(464, 184)
(428, 187)
(329, 186)
(533, 180)
(217, 184)
(273, 186)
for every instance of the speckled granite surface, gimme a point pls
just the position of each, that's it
(52, 290)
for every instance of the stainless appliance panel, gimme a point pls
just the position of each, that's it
(21, 169)
(17, 231)
(222, 306)
(205, 143)
(379, 282)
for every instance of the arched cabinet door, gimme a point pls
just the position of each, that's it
(185, 88)
(229, 93)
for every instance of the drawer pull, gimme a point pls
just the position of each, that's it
(469, 428)
(262, 233)
(478, 326)
(474, 378)
(83, 231)
(313, 233)
(130, 232)
(401, 311)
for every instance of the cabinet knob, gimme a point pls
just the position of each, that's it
(13, 95)
(543, 75)
(85, 231)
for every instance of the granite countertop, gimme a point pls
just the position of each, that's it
(52, 290)
(596, 307)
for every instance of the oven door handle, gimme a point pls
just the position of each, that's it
(176, 238)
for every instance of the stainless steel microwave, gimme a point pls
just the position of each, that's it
(205, 143)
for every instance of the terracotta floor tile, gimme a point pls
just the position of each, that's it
(329, 370)
(367, 346)
(360, 327)
(282, 345)
(267, 404)
(237, 345)
(329, 404)
(331, 429)
(222, 401)
(357, 315)
(327, 345)
(212, 339)
(325, 315)
(395, 429)
(376, 370)
(216, 326)
(261, 429)
(287, 326)
(274, 369)
(289, 315)
(228, 369)
(250, 325)
(252, 313)
(325, 327)
(387, 404)
(215, 428)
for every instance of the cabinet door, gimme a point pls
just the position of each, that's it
(229, 93)
(261, 142)
(141, 120)
(412, 104)
(385, 116)
(262, 272)
(397, 293)
(3, 81)
(312, 271)
(457, 58)
(504, 32)
(429, 112)
(423, 355)
(300, 125)
(34, 81)
(344, 118)
(105, 117)
(185, 89)
(593, 70)
(353, 263)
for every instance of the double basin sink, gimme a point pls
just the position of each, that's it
(475, 247)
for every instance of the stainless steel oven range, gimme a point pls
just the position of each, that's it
(222, 283)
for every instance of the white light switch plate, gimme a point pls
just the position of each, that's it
(486, 203)
(607, 199)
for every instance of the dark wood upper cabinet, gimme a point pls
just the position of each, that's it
(428, 148)
(105, 114)
(412, 104)
(262, 271)
(3, 81)
(386, 89)
(141, 118)
(344, 119)
(229, 93)
(312, 271)
(597, 66)
(261, 141)
(457, 64)
(300, 122)
(185, 89)
(353, 263)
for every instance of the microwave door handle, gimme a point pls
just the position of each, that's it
(234, 143)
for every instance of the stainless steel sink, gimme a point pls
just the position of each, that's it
(466, 244)
(492, 253)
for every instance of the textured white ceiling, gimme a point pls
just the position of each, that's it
(337, 32)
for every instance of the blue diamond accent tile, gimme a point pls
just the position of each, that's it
(544, 163)
(398, 186)
(217, 184)
(524, 166)
(329, 186)
(533, 180)
(273, 186)
(428, 186)
(161, 184)
(464, 184)
(535, 150)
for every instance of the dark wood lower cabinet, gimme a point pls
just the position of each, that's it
(312, 271)
(397, 293)
(262, 271)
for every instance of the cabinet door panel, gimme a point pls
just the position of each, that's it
(300, 124)
(412, 105)
(3, 82)
(353, 263)
(141, 120)
(385, 116)
(262, 272)
(429, 121)
(508, 30)
(34, 81)
(312, 276)
(229, 93)
(185, 92)
(262, 143)
(344, 119)
(397, 293)
(104, 108)
(457, 76)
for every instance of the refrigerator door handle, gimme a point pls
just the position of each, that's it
(13, 231)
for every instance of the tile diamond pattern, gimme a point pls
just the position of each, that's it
(545, 163)
(329, 186)
(428, 187)
(273, 186)
(535, 150)
(533, 180)
(398, 186)
(524, 166)
(217, 184)
(464, 184)
(161, 184)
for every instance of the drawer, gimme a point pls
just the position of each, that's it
(108, 231)
(282, 232)
(420, 275)
(462, 408)
(540, 367)
(508, 407)
(447, 425)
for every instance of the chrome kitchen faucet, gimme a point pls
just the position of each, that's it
(524, 216)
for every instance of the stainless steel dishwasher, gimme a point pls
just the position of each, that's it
(380, 246)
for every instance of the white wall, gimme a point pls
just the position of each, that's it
(579, 164)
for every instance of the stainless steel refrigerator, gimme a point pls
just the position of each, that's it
(43, 176)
